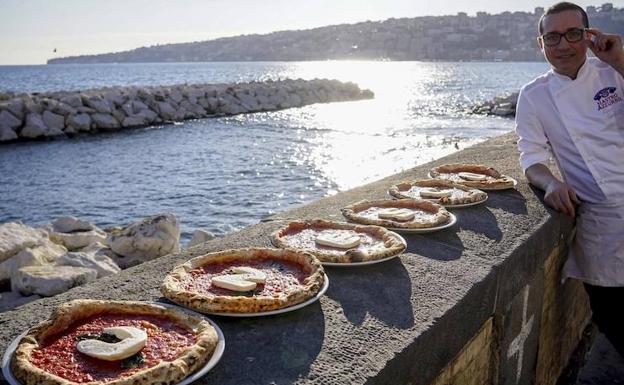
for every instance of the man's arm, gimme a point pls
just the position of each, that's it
(607, 48)
(558, 195)
(534, 155)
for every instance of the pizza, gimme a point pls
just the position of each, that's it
(245, 280)
(339, 242)
(473, 175)
(115, 343)
(444, 192)
(398, 213)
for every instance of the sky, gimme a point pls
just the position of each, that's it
(30, 30)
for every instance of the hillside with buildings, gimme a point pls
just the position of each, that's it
(508, 36)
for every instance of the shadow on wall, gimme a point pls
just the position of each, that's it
(446, 246)
(359, 296)
(270, 350)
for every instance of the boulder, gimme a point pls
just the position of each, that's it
(11, 299)
(73, 100)
(103, 250)
(50, 280)
(79, 239)
(16, 107)
(64, 109)
(150, 238)
(147, 114)
(127, 109)
(100, 105)
(86, 110)
(71, 224)
(176, 96)
(44, 253)
(8, 120)
(15, 236)
(79, 122)
(119, 115)
(134, 121)
(53, 121)
(30, 105)
(6, 134)
(200, 236)
(167, 111)
(114, 97)
(138, 106)
(34, 127)
(232, 109)
(504, 109)
(197, 110)
(92, 259)
(105, 121)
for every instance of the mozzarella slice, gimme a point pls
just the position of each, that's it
(234, 282)
(430, 192)
(132, 341)
(471, 176)
(341, 240)
(396, 214)
(251, 274)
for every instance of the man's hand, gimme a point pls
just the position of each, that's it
(607, 48)
(558, 195)
(561, 197)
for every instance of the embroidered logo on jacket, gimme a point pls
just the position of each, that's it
(607, 97)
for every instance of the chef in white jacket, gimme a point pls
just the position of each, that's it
(575, 113)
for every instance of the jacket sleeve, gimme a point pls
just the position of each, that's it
(533, 144)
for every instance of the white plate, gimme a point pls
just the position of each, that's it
(427, 229)
(465, 204)
(216, 355)
(279, 311)
(364, 263)
(515, 183)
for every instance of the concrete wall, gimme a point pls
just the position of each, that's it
(46, 115)
(479, 303)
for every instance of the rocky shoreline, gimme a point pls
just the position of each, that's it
(69, 252)
(66, 114)
(504, 105)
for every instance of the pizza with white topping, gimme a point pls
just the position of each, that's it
(92, 342)
(339, 242)
(473, 175)
(444, 192)
(398, 213)
(248, 280)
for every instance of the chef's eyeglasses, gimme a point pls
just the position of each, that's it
(572, 35)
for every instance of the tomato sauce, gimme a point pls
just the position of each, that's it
(281, 276)
(166, 340)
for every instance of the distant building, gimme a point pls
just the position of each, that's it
(606, 7)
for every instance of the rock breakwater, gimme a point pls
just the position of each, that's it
(500, 106)
(66, 114)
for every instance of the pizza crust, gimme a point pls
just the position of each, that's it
(494, 181)
(67, 314)
(390, 243)
(468, 195)
(173, 289)
(437, 214)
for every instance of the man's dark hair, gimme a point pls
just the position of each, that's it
(560, 7)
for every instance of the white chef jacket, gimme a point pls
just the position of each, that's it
(581, 123)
